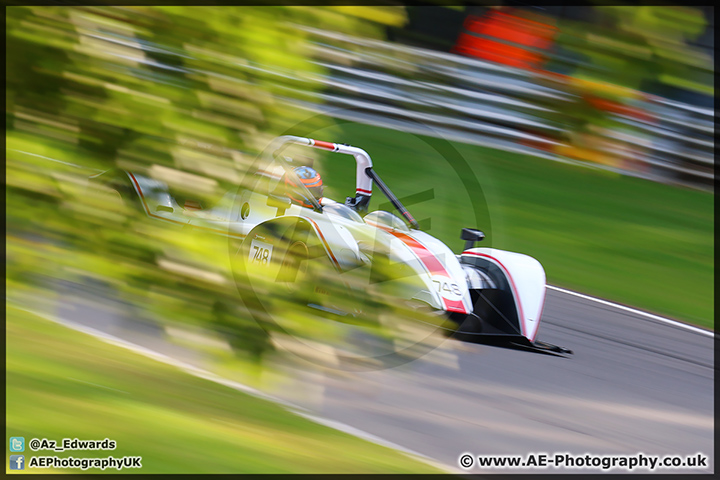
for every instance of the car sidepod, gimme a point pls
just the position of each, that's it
(442, 273)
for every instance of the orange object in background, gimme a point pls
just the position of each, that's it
(618, 108)
(502, 37)
(507, 37)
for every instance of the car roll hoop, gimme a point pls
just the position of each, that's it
(362, 159)
(364, 174)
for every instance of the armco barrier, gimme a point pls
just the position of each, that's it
(479, 102)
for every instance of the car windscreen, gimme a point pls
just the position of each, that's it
(343, 211)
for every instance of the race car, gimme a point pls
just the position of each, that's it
(490, 295)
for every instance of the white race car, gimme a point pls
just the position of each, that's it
(491, 295)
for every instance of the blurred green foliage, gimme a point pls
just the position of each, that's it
(185, 93)
(639, 47)
(134, 82)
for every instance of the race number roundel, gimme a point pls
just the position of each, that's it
(447, 288)
(260, 253)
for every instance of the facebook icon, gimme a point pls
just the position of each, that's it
(17, 462)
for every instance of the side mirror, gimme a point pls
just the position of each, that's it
(280, 202)
(470, 235)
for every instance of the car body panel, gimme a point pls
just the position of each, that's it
(526, 279)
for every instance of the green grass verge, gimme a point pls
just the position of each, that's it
(65, 384)
(621, 238)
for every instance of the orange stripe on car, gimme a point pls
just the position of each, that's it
(324, 145)
(432, 264)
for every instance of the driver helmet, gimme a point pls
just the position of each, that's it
(312, 181)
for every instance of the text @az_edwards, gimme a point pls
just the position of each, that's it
(37, 444)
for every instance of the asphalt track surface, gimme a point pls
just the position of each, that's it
(634, 385)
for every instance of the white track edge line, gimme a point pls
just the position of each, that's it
(669, 321)
(207, 375)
